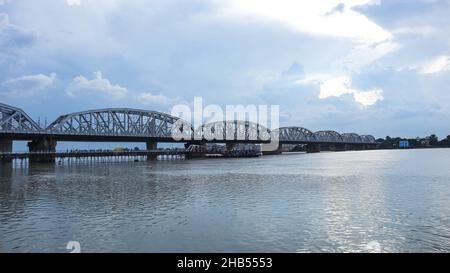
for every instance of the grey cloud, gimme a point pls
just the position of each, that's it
(172, 49)
(26, 86)
(12, 36)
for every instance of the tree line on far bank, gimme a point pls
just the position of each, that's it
(427, 142)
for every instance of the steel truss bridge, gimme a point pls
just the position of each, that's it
(134, 125)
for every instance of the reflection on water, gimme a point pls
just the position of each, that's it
(334, 202)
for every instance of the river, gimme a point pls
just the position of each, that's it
(356, 201)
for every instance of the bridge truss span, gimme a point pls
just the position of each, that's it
(368, 139)
(329, 137)
(351, 138)
(15, 120)
(294, 134)
(239, 131)
(126, 124)
(120, 122)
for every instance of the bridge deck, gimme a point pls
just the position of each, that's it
(83, 154)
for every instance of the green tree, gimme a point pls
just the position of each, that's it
(433, 140)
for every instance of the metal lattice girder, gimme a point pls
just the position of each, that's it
(328, 136)
(368, 139)
(15, 120)
(233, 130)
(351, 138)
(294, 134)
(117, 122)
(124, 122)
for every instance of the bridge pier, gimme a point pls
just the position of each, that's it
(42, 150)
(313, 148)
(6, 147)
(359, 147)
(152, 145)
(272, 149)
(338, 147)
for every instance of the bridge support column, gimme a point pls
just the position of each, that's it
(313, 148)
(272, 149)
(152, 145)
(338, 147)
(5, 147)
(42, 150)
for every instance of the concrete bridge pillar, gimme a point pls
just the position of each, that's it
(42, 150)
(5, 147)
(272, 149)
(313, 148)
(338, 147)
(152, 145)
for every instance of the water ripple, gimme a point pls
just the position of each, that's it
(373, 201)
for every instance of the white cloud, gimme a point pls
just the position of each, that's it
(332, 86)
(417, 30)
(315, 17)
(333, 18)
(73, 2)
(28, 85)
(368, 98)
(335, 87)
(435, 66)
(239, 56)
(98, 85)
(364, 54)
(149, 98)
(338, 86)
(309, 79)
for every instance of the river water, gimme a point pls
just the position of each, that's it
(359, 201)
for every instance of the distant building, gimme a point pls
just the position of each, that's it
(403, 144)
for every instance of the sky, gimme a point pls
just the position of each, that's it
(365, 66)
